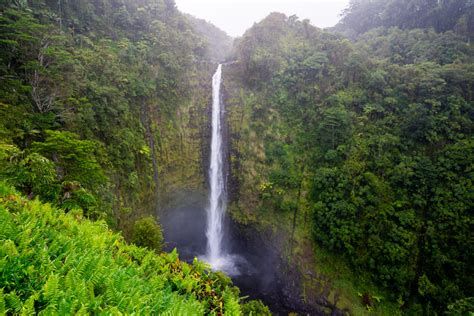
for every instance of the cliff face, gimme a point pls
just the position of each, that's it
(176, 134)
(184, 159)
(342, 149)
(259, 223)
(183, 139)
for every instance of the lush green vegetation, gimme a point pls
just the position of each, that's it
(148, 233)
(443, 15)
(57, 263)
(97, 99)
(367, 145)
(95, 104)
(219, 43)
(360, 138)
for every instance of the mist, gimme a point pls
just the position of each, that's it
(234, 17)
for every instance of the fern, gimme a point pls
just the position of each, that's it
(13, 302)
(231, 303)
(51, 309)
(3, 307)
(70, 280)
(53, 263)
(50, 289)
(29, 306)
(7, 227)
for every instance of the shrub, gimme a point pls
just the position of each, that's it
(254, 308)
(148, 233)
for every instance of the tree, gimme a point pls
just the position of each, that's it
(75, 159)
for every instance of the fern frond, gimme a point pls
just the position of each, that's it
(231, 304)
(13, 302)
(90, 270)
(50, 288)
(3, 307)
(29, 305)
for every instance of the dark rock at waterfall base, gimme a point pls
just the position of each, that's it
(269, 277)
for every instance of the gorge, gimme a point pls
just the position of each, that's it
(322, 171)
(241, 251)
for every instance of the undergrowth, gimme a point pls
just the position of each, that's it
(57, 263)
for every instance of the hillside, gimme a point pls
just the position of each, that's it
(105, 101)
(444, 15)
(57, 263)
(218, 42)
(361, 148)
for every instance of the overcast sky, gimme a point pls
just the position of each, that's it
(236, 16)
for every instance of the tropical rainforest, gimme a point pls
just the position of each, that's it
(351, 149)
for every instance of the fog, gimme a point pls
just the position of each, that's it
(236, 16)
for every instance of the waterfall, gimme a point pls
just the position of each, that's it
(217, 201)
(215, 255)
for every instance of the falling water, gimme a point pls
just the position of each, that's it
(217, 203)
(216, 256)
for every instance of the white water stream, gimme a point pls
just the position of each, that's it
(215, 255)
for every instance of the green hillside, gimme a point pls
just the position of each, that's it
(361, 148)
(64, 264)
(105, 101)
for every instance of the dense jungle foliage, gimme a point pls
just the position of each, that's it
(359, 137)
(97, 99)
(63, 264)
(440, 15)
(219, 43)
(367, 144)
(91, 96)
